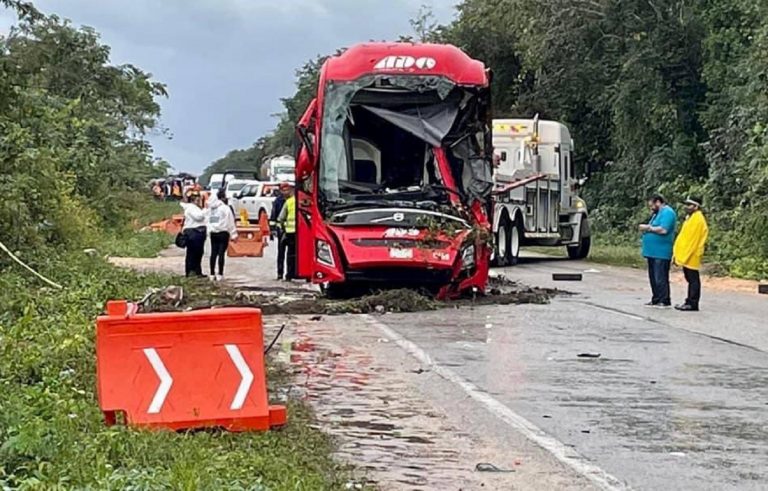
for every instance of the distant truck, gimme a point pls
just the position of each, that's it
(281, 169)
(535, 200)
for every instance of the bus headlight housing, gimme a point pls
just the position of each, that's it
(324, 253)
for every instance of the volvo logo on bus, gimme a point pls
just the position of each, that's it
(404, 62)
(398, 217)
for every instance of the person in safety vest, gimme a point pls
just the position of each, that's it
(689, 249)
(287, 222)
(276, 232)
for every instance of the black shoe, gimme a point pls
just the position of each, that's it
(650, 304)
(663, 305)
(686, 308)
(279, 277)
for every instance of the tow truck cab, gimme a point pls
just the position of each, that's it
(394, 172)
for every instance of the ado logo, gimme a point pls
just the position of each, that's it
(404, 62)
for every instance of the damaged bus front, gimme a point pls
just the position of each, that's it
(394, 171)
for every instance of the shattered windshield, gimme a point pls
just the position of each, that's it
(379, 140)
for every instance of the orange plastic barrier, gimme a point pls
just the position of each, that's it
(173, 226)
(264, 226)
(183, 370)
(249, 243)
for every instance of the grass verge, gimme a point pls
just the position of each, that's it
(52, 435)
(125, 240)
(603, 253)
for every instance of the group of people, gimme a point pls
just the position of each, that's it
(662, 246)
(217, 220)
(177, 190)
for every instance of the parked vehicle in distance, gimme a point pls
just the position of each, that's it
(281, 169)
(234, 186)
(256, 199)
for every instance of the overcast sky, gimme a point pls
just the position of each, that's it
(228, 62)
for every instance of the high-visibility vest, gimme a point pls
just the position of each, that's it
(290, 216)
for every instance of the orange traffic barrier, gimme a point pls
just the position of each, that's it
(173, 226)
(249, 243)
(264, 226)
(181, 370)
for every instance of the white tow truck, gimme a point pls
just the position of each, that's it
(535, 201)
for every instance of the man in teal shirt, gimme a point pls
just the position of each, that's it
(658, 239)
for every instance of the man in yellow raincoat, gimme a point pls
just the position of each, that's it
(689, 249)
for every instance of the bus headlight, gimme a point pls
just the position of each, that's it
(579, 204)
(323, 253)
(468, 257)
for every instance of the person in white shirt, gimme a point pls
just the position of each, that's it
(222, 228)
(194, 228)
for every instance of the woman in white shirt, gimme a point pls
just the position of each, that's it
(195, 220)
(222, 227)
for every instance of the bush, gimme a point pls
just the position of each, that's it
(52, 432)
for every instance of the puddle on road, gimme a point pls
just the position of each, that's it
(379, 423)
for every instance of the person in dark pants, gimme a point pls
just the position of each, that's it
(287, 221)
(194, 229)
(658, 238)
(689, 249)
(277, 233)
(222, 227)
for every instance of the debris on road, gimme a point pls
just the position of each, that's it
(304, 301)
(486, 467)
(567, 276)
(588, 355)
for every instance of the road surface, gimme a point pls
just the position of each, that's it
(674, 400)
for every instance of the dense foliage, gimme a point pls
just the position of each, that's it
(660, 95)
(52, 434)
(72, 133)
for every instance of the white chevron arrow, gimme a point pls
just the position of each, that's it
(166, 381)
(245, 373)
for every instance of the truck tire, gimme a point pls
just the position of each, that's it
(581, 250)
(501, 244)
(515, 240)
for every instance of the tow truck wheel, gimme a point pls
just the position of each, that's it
(581, 250)
(501, 254)
(515, 237)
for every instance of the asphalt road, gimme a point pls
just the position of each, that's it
(674, 401)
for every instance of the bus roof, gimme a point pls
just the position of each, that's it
(406, 59)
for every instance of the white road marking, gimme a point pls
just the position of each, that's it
(245, 373)
(556, 448)
(166, 381)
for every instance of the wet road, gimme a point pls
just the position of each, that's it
(674, 401)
